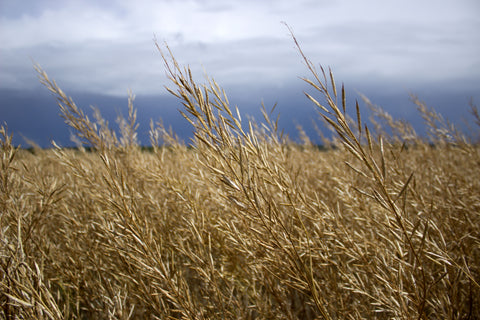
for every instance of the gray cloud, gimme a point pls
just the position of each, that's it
(107, 46)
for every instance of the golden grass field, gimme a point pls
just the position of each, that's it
(244, 223)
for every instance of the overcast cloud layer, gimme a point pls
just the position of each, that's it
(107, 46)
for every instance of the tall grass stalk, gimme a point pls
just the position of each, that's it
(243, 223)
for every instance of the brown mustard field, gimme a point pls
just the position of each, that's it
(243, 223)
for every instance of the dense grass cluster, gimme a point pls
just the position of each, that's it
(244, 224)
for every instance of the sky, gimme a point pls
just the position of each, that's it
(99, 50)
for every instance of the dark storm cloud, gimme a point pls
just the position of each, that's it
(382, 48)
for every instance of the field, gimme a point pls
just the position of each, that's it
(381, 223)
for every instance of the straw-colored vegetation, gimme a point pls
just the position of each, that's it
(244, 224)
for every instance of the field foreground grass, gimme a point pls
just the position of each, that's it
(244, 224)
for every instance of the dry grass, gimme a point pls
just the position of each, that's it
(246, 224)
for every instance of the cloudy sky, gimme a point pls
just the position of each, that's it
(98, 50)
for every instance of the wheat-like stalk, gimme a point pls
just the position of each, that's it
(241, 222)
